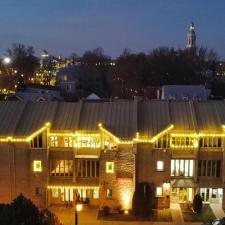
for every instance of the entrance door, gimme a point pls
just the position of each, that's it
(182, 194)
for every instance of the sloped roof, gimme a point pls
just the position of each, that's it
(118, 117)
(178, 92)
(122, 118)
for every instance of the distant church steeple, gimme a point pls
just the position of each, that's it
(191, 37)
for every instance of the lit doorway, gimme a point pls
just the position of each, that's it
(183, 194)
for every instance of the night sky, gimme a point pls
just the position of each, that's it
(67, 26)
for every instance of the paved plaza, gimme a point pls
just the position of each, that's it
(88, 216)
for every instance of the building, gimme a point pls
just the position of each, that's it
(80, 80)
(191, 37)
(185, 92)
(54, 152)
(36, 93)
(67, 79)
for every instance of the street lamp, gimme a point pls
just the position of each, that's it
(78, 208)
(7, 60)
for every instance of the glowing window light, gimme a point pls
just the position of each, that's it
(160, 165)
(159, 191)
(37, 167)
(109, 167)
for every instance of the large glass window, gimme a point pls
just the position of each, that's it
(210, 168)
(210, 142)
(85, 141)
(187, 142)
(88, 168)
(61, 167)
(182, 167)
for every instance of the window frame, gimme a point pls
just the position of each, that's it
(109, 164)
(158, 165)
(37, 168)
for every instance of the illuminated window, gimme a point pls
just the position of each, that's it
(61, 167)
(55, 192)
(109, 167)
(68, 142)
(96, 193)
(160, 165)
(87, 141)
(37, 166)
(181, 167)
(184, 141)
(54, 141)
(159, 191)
(109, 193)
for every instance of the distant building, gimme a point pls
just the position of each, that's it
(37, 93)
(191, 37)
(80, 80)
(185, 92)
(67, 79)
(152, 92)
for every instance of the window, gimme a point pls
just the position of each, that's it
(37, 142)
(38, 191)
(160, 165)
(182, 167)
(68, 142)
(55, 192)
(85, 141)
(61, 167)
(87, 168)
(187, 142)
(210, 142)
(109, 167)
(163, 142)
(109, 193)
(96, 193)
(159, 191)
(54, 141)
(209, 168)
(37, 166)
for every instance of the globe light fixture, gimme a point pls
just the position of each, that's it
(7, 60)
(78, 208)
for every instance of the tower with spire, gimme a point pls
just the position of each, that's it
(191, 37)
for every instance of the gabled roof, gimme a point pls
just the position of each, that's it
(121, 118)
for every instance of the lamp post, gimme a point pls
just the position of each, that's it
(78, 208)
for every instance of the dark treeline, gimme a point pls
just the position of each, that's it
(130, 73)
(23, 211)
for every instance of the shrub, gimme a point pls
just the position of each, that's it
(105, 210)
(197, 203)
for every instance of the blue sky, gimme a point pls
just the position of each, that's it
(67, 26)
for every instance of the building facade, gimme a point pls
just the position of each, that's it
(55, 153)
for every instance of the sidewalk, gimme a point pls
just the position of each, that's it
(217, 210)
(176, 214)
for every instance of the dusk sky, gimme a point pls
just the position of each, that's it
(67, 26)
